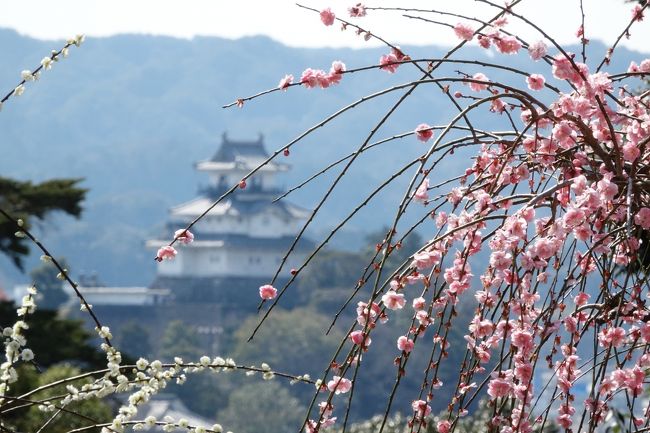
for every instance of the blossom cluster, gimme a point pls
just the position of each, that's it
(15, 343)
(557, 206)
(168, 252)
(46, 64)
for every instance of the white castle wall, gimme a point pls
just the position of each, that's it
(213, 262)
(265, 225)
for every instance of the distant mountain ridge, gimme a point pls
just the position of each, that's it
(131, 113)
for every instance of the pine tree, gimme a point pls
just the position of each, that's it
(28, 201)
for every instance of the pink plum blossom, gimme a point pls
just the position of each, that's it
(336, 72)
(358, 337)
(166, 253)
(388, 62)
(581, 298)
(498, 106)
(423, 132)
(642, 218)
(645, 66)
(523, 340)
(422, 193)
(535, 82)
(405, 344)
(309, 78)
(327, 16)
(611, 337)
(419, 303)
(477, 87)
(537, 50)
(339, 385)
(268, 292)
(484, 42)
(393, 300)
(421, 408)
(507, 44)
(464, 31)
(443, 426)
(631, 152)
(499, 387)
(357, 11)
(184, 236)
(285, 82)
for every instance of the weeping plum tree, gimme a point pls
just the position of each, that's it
(534, 229)
(559, 201)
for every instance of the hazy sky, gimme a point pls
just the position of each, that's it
(284, 21)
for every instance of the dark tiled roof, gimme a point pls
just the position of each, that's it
(252, 243)
(232, 150)
(240, 205)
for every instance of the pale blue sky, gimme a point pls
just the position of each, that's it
(285, 22)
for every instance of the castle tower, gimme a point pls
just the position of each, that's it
(240, 243)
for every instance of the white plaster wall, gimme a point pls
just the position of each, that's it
(265, 225)
(253, 263)
(258, 263)
(205, 262)
(172, 267)
(119, 299)
(271, 225)
(213, 262)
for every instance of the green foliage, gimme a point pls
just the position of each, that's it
(133, 340)
(27, 200)
(262, 407)
(335, 273)
(83, 412)
(204, 392)
(332, 269)
(55, 340)
(411, 243)
(394, 424)
(476, 421)
(293, 341)
(50, 288)
(342, 269)
(181, 340)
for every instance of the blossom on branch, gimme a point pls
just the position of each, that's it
(268, 292)
(285, 82)
(535, 82)
(357, 11)
(184, 236)
(327, 16)
(464, 31)
(166, 253)
(423, 132)
(339, 385)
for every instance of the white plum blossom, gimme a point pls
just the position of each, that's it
(47, 63)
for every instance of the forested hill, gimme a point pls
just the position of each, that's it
(131, 114)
